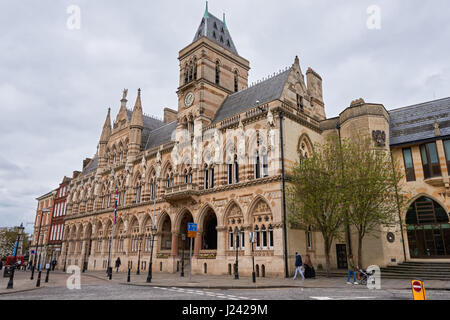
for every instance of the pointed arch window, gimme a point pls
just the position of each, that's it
(230, 237)
(257, 166)
(205, 178)
(236, 81)
(257, 237)
(309, 238)
(263, 237)
(211, 176)
(236, 169)
(217, 72)
(242, 238)
(265, 163)
(195, 69)
(138, 193)
(270, 237)
(299, 102)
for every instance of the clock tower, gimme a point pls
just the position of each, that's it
(210, 70)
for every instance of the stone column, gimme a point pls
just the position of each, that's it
(197, 243)
(174, 251)
(221, 240)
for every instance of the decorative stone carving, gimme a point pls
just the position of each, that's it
(379, 137)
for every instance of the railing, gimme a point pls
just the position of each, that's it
(181, 188)
(257, 111)
(230, 121)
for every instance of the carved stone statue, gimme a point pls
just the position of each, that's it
(143, 166)
(158, 157)
(125, 92)
(241, 141)
(175, 154)
(270, 118)
(216, 147)
(271, 138)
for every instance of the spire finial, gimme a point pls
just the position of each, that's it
(206, 14)
(224, 22)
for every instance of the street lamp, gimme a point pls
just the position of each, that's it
(236, 268)
(37, 244)
(252, 240)
(139, 256)
(183, 237)
(65, 256)
(11, 278)
(149, 276)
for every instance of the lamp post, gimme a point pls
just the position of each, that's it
(149, 276)
(252, 240)
(183, 237)
(139, 256)
(65, 256)
(37, 244)
(236, 268)
(11, 278)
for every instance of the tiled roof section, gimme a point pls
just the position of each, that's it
(265, 91)
(160, 135)
(150, 124)
(416, 122)
(329, 124)
(215, 30)
(91, 166)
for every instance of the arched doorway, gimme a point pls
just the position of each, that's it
(186, 218)
(209, 231)
(428, 229)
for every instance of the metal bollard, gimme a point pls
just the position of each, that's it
(129, 272)
(38, 282)
(46, 277)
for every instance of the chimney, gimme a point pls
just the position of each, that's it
(86, 162)
(75, 174)
(170, 115)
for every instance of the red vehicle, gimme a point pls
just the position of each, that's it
(10, 260)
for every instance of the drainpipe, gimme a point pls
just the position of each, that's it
(283, 185)
(398, 208)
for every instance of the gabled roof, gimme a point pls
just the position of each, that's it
(215, 30)
(416, 122)
(160, 135)
(150, 124)
(265, 91)
(91, 166)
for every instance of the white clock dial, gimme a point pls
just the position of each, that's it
(189, 99)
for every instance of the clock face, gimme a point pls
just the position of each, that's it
(189, 99)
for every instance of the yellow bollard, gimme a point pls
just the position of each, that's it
(418, 290)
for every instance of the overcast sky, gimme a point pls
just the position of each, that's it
(56, 83)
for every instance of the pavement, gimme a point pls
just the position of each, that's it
(22, 282)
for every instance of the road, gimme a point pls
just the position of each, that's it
(128, 292)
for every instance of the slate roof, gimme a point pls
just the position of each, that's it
(150, 124)
(91, 166)
(160, 135)
(265, 91)
(215, 30)
(416, 122)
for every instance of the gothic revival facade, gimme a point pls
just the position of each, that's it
(220, 161)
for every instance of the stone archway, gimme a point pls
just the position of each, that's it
(209, 230)
(185, 218)
(428, 229)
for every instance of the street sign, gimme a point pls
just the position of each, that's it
(192, 230)
(418, 289)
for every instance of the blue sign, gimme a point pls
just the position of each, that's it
(192, 226)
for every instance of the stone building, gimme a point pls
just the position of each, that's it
(42, 226)
(219, 161)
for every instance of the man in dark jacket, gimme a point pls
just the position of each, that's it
(118, 263)
(298, 266)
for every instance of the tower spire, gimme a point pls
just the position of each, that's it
(136, 117)
(224, 22)
(206, 14)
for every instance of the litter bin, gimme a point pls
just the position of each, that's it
(8, 271)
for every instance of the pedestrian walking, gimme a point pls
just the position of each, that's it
(53, 264)
(1, 264)
(351, 270)
(309, 269)
(298, 266)
(118, 263)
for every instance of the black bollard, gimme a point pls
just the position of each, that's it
(46, 277)
(38, 282)
(129, 273)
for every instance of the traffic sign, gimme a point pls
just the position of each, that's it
(418, 289)
(192, 226)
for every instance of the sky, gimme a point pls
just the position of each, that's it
(64, 62)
